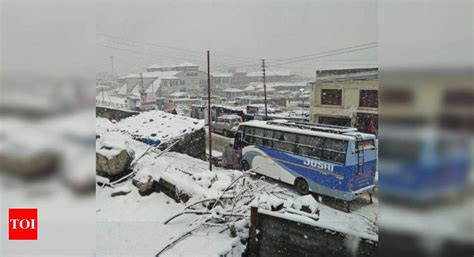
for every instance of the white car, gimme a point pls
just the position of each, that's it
(227, 125)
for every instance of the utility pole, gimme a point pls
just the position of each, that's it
(113, 71)
(264, 88)
(103, 98)
(302, 98)
(142, 92)
(209, 117)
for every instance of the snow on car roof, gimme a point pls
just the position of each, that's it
(230, 116)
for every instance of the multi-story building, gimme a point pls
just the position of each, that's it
(221, 81)
(241, 78)
(437, 98)
(346, 97)
(165, 80)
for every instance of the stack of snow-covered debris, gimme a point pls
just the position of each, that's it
(161, 129)
(75, 143)
(113, 156)
(158, 125)
(26, 150)
(113, 151)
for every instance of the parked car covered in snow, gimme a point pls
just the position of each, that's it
(227, 125)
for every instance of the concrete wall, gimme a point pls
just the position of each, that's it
(192, 144)
(277, 237)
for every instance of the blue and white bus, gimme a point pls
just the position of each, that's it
(420, 164)
(335, 161)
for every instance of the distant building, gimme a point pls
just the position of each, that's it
(165, 80)
(232, 93)
(436, 98)
(241, 78)
(346, 97)
(221, 80)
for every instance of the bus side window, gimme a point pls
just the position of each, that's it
(310, 152)
(335, 144)
(285, 144)
(249, 132)
(334, 150)
(314, 146)
(259, 132)
(292, 142)
(267, 141)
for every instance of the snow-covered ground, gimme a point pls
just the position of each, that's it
(134, 225)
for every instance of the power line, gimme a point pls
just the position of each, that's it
(254, 63)
(175, 48)
(125, 47)
(317, 55)
(327, 52)
(151, 53)
(331, 54)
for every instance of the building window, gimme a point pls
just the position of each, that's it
(396, 96)
(331, 96)
(367, 123)
(459, 97)
(338, 121)
(369, 98)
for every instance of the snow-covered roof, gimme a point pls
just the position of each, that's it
(123, 90)
(177, 94)
(135, 90)
(232, 90)
(153, 74)
(159, 125)
(269, 89)
(222, 75)
(110, 98)
(184, 64)
(249, 88)
(154, 86)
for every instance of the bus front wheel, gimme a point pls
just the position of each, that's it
(245, 165)
(301, 186)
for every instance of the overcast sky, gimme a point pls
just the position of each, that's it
(69, 37)
(236, 32)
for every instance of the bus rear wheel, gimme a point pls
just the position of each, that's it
(245, 165)
(302, 186)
